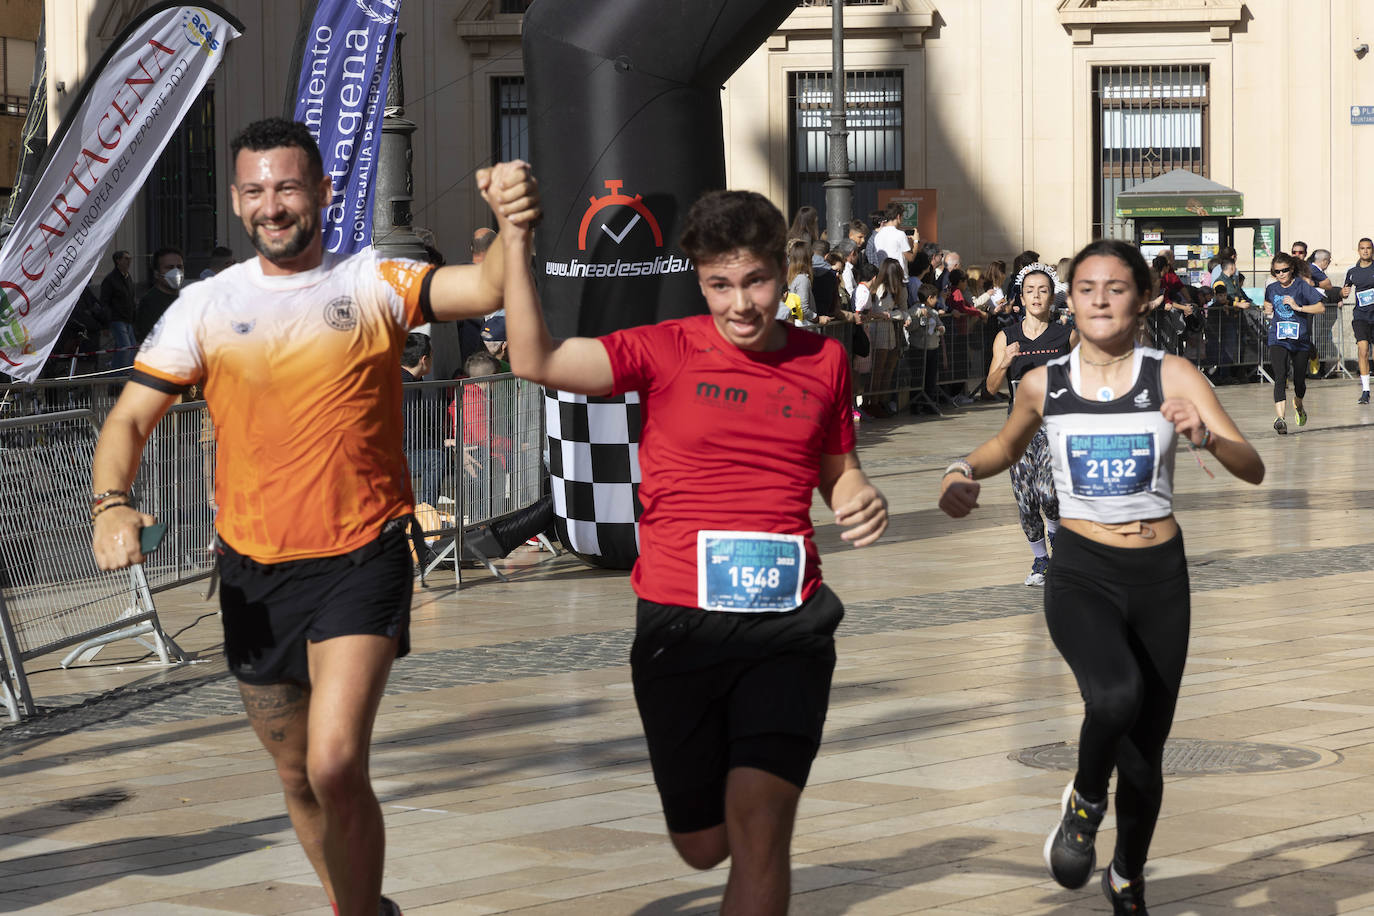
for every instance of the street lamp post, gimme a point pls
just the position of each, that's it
(839, 189)
(392, 229)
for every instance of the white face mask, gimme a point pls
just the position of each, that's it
(174, 277)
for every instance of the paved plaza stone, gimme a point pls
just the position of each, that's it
(513, 777)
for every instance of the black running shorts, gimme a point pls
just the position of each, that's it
(271, 610)
(1364, 330)
(718, 690)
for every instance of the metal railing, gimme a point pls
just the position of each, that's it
(176, 483)
(30, 399)
(1225, 340)
(52, 595)
(475, 449)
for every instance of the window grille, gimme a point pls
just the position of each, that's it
(1146, 121)
(874, 118)
(510, 119)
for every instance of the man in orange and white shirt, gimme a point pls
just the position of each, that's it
(297, 352)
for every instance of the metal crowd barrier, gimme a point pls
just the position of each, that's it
(176, 483)
(1220, 337)
(52, 594)
(29, 399)
(1235, 340)
(898, 377)
(476, 454)
(475, 449)
(1335, 340)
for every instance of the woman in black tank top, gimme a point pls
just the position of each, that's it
(1117, 599)
(1017, 349)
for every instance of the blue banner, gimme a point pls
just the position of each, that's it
(340, 96)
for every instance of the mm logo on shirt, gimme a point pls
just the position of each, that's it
(713, 395)
(341, 314)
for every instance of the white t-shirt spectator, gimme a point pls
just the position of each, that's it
(892, 242)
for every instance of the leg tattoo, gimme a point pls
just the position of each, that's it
(271, 707)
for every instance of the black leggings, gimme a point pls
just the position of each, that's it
(1120, 616)
(1279, 358)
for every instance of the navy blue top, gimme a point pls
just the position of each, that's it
(1289, 328)
(1362, 278)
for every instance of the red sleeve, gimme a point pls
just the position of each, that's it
(641, 354)
(960, 304)
(839, 431)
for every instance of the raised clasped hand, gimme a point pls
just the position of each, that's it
(512, 192)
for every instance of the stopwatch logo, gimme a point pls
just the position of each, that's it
(614, 198)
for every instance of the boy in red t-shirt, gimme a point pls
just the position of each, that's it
(744, 418)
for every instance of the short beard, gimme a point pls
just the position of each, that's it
(287, 250)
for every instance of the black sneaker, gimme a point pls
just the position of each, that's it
(1280, 427)
(1130, 900)
(388, 907)
(1364, 397)
(1069, 852)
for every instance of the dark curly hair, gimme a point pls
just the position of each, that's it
(724, 221)
(274, 133)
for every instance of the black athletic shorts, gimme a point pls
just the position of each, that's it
(718, 690)
(271, 610)
(1364, 330)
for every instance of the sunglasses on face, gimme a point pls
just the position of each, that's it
(1280, 270)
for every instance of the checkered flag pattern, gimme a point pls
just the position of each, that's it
(594, 471)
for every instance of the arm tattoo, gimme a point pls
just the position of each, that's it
(270, 707)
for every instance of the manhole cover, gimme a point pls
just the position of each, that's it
(1194, 756)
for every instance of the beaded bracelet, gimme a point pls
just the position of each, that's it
(107, 505)
(1206, 437)
(961, 466)
(99, 498)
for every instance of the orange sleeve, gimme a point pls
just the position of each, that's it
(407, 290)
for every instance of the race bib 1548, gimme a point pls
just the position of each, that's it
(749, 571)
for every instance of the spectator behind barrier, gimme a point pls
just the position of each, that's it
(825, 281)
(480, 445)
(494, 337)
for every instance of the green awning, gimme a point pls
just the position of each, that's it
(1179, 193)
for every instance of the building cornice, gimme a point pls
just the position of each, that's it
(909, 19)
(480, 26)
(1085, 19)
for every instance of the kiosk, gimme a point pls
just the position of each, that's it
(1192, 217)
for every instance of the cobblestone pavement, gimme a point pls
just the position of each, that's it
(207, 690)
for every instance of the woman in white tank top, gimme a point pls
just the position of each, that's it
(1116, 596)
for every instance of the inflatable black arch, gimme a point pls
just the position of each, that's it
(625, 132)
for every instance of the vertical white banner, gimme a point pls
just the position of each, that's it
(107, 144)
